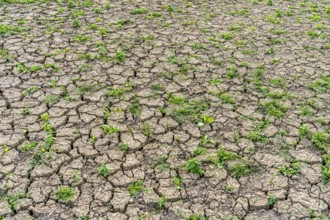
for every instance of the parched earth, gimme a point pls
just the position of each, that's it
(196, 110)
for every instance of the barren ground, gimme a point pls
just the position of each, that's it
(195, 110)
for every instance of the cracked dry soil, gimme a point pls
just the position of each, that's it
(196, 110)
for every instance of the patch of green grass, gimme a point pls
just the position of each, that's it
(321, 85)
(5, 55)
(207, 119)
(123, 22)
(160, 163)
(304, 131)
(271, 201)
(321, 140)
(82, 38)
(274, 108)
(6, 29)
(196, 217)
(139, 11)
(13, 199)
(176, 100)
(29, 91)
(153, 15)
(104, 170)
(117, 93)
(232, 72)
(109, 129)
(51, 99)
(135, 108)
(191, 110)
(240, 169)
(194, 166)
(227, 36)
(278, 82)
(136, 187)
(29, 146)
(290, 170)
(65, 194)
(242, 12)
(120, 56)
(223, 156)
(123, 146)
(161, 203)
(177, 181)
(226, 98)
(199, 151)
(146, 129)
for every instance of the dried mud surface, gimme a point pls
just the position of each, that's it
(164, 110)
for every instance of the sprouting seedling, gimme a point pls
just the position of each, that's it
(136, 187)
(194, 166)
(65, 194)
(104, 170)
(109, 129)
(208, 119)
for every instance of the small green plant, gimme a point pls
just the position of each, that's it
(199, 151)
(321, 85)
(177, 181)
(229, 188)
(271, 201)
(29, 146)
(136, 187)
(139, 11)
(240, 169)
(196, 217)
(120, 56)
(123, 146)
(208, 119)
(29, 91)
(223, 156)
(5, 55)
(110, 129)
(82, 38)
(290, 170)
(321, 140)
(226, 36)
(65, 194)
(25, 111)
(161, 203)
(51, 99)
(194, 166)
(146, 129)
(13, 199)
(274, 108)
(232, 72)
(104, 170)
(123, 22)
(176, 100)
(226, 98)
(304, 131)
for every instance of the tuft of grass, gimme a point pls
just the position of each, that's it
(104, 170)
(223, 156)
(139, 11)
(321, 85)
(274, 108)
(271, 201)
(109, 129)
(321, 140)
(290, 170)
(194, 166)
(240, 169)
(65, 194)
(136, 187)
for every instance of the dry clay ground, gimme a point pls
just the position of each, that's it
(196, 110)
